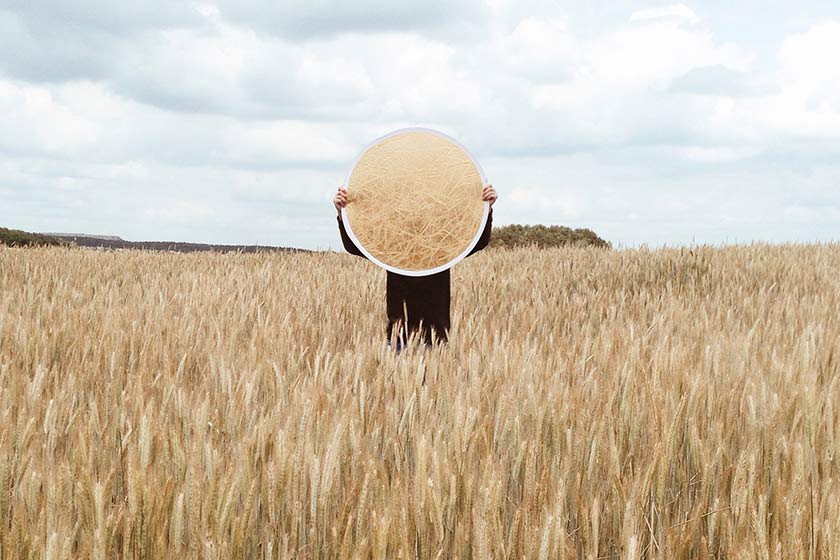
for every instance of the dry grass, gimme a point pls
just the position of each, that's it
(628, 404)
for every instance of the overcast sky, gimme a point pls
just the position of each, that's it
(235, 121)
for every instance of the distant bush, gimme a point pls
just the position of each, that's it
(516, 235)
(17, 238)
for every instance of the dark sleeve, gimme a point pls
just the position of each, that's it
(349, 246)
(485, 235)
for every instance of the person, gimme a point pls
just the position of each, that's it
(417, 304)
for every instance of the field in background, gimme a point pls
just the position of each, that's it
(591, 404)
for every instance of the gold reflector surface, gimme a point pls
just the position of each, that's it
(414, 202)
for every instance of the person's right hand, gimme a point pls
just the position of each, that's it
(340, 199)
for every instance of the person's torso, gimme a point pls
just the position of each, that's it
(424, 297)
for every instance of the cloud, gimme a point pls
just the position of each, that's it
(113, 18)
(714, 154)
(809, 214)
(621, 90)
(35, 123)
(181, 211)
(85, 122)
(50, 56)
(541, 51)
(675, 12)
(809, 70)
(718, 80)
(565, 204)
(63, 40)
(302, 19)
(803, 112)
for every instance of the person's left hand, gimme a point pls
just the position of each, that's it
(489, 194)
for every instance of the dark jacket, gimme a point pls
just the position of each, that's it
(425, 298)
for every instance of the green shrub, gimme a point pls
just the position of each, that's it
(516, 235)
(17, 238)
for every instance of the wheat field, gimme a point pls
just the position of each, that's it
(667, 404)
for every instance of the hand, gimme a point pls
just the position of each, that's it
(340, 199)
(489, 194)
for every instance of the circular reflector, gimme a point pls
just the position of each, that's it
(414, 202)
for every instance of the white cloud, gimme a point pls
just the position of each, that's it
(718, 80)
(717, 154)
(539, 50)
(87, 123)
(676, 12)
(565, 203)
(811, 79)
(35, 122)
(800, 114)
(181, 211)
(810, 57)
(305, 19)
(810, 214)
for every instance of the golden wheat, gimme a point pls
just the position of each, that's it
(676, 403)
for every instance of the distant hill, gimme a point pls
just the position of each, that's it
(516, 235)
(17, 238)
(84, 235)
(114, 242)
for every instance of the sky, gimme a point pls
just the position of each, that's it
(234, 122)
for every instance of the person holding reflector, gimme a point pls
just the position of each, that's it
(415, 203)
